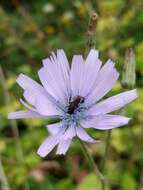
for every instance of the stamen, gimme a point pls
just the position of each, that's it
(73, 105)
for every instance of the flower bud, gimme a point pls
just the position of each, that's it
(129, 75)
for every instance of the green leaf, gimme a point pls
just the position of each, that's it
(44, 185)
(90, 182)
(128, 182)
(64, 185)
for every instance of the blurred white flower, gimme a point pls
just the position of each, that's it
(48, 8)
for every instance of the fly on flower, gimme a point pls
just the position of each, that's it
(72, 95)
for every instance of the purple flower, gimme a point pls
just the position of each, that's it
(73, 94)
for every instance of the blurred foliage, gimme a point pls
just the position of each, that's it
(29, 31)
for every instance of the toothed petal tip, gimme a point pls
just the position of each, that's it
(10, 116)
(41, 154)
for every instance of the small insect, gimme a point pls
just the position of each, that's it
(75, 103)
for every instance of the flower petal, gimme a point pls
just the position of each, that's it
(105, 122)
(61, 56)
(113, 103)
(41, 102)
(65, 69)
(92, 56)
(27, 83)
(63, 146)
(47, 146)
(69, 133)
(91, 69)
(54, 128)
(53, 82)
(60, 66)
(30, 96)
(45, 107)
(106, 79)
(27, 105)
(83, 135)
(63, 64)
(76, 75)
(25, 114)
(34, 91)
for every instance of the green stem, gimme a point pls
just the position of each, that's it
(93, 165)
(3, 178)
(107, 145)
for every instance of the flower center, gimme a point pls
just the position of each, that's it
(74, 104)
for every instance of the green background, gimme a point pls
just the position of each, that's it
(29, 31)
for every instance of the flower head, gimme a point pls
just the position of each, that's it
(73, 94)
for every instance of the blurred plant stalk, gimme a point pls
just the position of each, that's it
(3, 179)
(13, 124)
(91, 30)
(128, 82)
